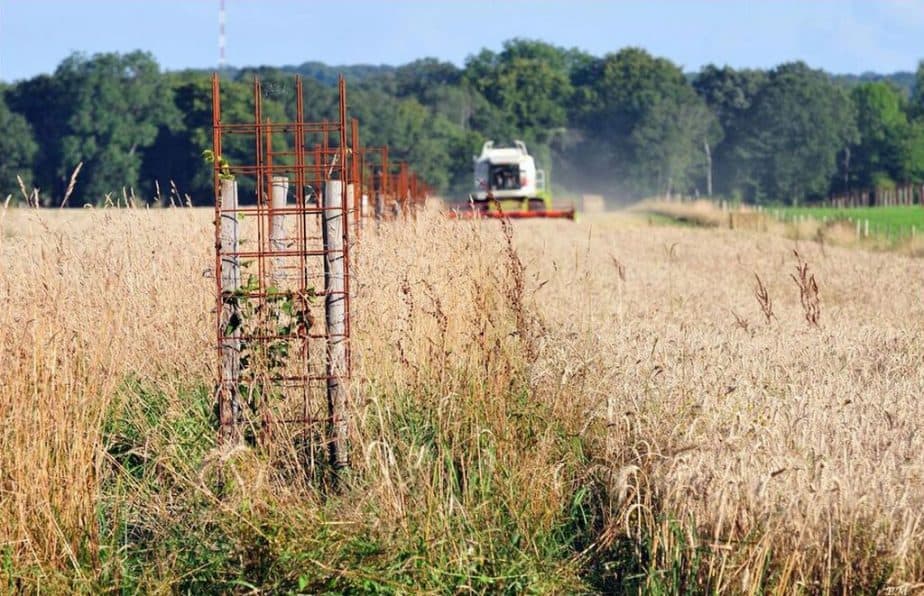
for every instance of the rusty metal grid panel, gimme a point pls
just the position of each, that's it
(274, 347)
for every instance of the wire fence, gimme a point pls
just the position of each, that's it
(864, 227)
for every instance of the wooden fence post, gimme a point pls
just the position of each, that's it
(229, 404)
(379, 205)
(335, 314)
(278, 228)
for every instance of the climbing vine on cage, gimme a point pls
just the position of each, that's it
(224, 166)
(266, 327)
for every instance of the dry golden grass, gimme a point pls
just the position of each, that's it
(750, 455)
(776, 438)
(89, 298)
(701, 212)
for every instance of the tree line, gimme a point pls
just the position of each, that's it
(627, 124)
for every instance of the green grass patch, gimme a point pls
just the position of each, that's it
(879, 216)
(172, 519)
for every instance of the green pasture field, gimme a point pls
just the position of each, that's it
(879, 216)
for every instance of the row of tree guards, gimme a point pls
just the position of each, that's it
(284, 228)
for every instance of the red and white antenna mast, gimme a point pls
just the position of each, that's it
(221, 35)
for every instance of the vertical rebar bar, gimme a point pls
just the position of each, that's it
(354, 188)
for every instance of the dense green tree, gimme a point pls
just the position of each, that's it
(117, 103)
(47, 109)
(729, 93)
(644, 124)
(913, 151)
(176, 155)
(882, 155)
(797, 126)
(901, 80)
(469, 110)
(328, 75)
(418, 78)
(672, 145)
(413, 133)
(917, 91)
(627, 123)
(18, 148)
(529, 80)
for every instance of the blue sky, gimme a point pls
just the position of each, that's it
(844, 36)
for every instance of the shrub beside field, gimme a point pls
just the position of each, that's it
(573, 407)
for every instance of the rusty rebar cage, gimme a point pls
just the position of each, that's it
(374, 168)
(392, 188)
(282, 267)
(406, 190)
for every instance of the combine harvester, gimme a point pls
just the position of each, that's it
(507, 184)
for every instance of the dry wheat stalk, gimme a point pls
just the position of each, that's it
(763, 299)
(22, 189)
(741, 322)
(71, 184)
(808, 290)
(620, 268)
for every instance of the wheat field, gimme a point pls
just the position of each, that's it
(549, 406)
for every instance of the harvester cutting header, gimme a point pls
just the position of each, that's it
(508, 184)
